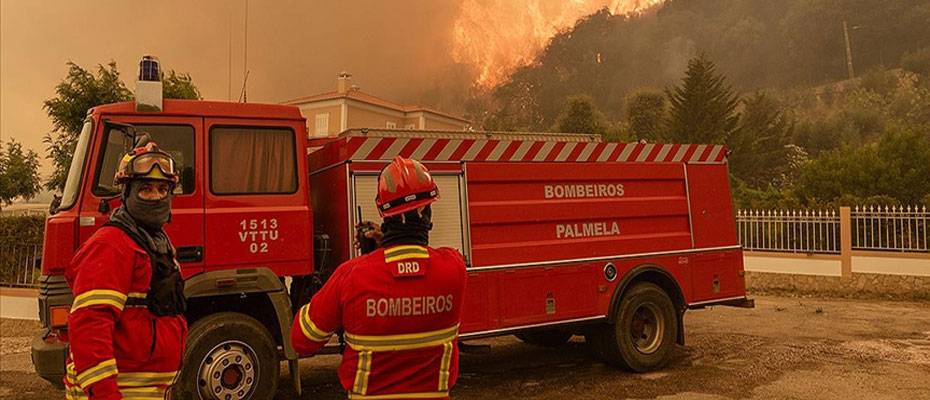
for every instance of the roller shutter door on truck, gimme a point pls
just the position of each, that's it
(447, 212)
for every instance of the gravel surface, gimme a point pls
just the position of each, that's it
(785, 348)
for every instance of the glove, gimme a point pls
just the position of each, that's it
(368, 236)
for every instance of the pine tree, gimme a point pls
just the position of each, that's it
(703, 107)
(760, 144)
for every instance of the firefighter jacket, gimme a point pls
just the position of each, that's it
(399, 309)
(118, 348)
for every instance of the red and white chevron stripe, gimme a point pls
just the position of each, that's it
(428, 149)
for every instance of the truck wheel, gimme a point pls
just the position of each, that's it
(228, 356)
(551, 338)
(643, 335)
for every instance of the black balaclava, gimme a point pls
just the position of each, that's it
(150, 214)
(149, 226)
(408, 228)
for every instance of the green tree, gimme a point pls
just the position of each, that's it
(19, 173)
(897, 167)
(703, 107)
(580, 115)
(617, 132)
(179, 86)
(760, 144)
(917, 61)
(77, 93)
(81, 90)
(645, 114)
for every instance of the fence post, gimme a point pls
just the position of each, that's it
(846, 241)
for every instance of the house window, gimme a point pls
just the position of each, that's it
(391, 125)
(322, 124)
(410, 127)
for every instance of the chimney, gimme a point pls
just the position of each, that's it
(343, 82)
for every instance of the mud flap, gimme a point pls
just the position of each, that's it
(681, 327)
(294, 367)
(741, 302)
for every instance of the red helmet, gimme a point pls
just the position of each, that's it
(146, 162)
(404, 185)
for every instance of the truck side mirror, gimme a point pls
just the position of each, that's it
(53, 207)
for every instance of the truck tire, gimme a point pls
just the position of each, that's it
(643, 335)
(228, 356)
(548, 338)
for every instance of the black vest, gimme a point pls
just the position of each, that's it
(166, 288)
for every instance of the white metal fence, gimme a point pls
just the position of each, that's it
(20, 265)
(873, 228)
(793, 231)
(902, 229)
(24, 212)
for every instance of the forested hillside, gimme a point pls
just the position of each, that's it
(769, 78)
(757, 44)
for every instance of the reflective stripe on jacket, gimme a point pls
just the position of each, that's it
(117, 350)
(400, 310)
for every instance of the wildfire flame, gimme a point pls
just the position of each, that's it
(499, 36)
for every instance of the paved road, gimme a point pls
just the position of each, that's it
(786, 348)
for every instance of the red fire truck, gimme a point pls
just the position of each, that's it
(562, 234)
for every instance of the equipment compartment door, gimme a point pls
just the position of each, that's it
(524, 213)
(447, 212)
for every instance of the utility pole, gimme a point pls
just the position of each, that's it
(245, 57)
(849, 64)
(229, 59)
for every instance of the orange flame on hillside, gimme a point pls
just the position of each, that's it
(499, 36)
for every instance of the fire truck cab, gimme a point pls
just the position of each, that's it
(562, 234)
(241, 221)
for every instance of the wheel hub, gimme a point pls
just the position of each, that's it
(647, 328)
(227, 372)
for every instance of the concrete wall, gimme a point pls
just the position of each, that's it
(790, 263)
(19, 303)
(335, 116)
(366, 116)
(443, 124)
(891, 263)
(871, 274)
(858, 285)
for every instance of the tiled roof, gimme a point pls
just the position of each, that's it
(359, 95)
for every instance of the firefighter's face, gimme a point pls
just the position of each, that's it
(153, 190)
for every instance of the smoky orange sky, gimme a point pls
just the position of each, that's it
(426, 52)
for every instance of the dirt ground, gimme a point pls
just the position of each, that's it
(785, 348)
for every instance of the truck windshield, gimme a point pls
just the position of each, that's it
(73, 182)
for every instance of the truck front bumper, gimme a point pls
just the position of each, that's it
(48, 358)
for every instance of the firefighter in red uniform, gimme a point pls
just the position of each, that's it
(126, 326)
(399, 305)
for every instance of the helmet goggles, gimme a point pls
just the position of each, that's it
(143, 166)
